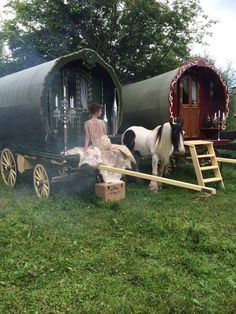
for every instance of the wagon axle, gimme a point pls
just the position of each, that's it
(39, 183)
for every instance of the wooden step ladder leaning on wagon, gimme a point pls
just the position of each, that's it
(210, 155)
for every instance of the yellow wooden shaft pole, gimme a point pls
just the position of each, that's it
(227, 160)
(158, 179)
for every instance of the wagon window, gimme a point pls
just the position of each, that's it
(189, 91)
(194, 92)
(185, 83)
(84, 92)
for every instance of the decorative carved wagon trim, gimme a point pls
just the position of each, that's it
(185, 67)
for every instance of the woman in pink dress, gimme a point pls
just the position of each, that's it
(96, 134)
(95, 129)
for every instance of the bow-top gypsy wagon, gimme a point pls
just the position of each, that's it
(195, 94)
(42, 114)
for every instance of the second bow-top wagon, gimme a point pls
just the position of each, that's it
(194, 94)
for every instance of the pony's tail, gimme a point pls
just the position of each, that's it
(163, 142)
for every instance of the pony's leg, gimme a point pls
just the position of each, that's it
(137, 157)
(153, 186)
(161, 169)
(160, 173)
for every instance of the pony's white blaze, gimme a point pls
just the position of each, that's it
(158, 144)
(181, 149)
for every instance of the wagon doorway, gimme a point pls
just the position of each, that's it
(189, 105)
(78, 84)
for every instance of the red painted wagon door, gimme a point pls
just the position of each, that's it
(189, 106)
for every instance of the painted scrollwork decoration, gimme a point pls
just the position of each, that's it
(89, 59)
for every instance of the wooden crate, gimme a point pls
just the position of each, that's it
(111, 191)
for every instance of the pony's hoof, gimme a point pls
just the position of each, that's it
(154, 191)
(153, 186)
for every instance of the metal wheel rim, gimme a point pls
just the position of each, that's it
(8, 168)
(41, 181)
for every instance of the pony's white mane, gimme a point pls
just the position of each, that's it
(164, 145)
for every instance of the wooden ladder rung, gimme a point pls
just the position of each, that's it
(205, 156)
(208, 168)
(208, 180)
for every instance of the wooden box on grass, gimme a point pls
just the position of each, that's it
(113, 191)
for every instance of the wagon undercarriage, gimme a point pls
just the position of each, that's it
(46, 169)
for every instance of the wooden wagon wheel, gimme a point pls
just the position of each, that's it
(41, 181)
(8, 167)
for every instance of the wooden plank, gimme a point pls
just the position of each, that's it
(200, 156)
(226, 160)
(205, 156)
(208, 168)
(196, 142)
(158, 179)
(214, 179)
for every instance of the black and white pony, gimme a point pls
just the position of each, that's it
(157, 144)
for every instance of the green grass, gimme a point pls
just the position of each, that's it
(166, 252)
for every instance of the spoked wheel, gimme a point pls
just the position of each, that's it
(41, 181)
(8, 168)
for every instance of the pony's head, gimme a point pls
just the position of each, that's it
(169, 140)
(177, 138)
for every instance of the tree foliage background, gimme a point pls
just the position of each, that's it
(139, 38)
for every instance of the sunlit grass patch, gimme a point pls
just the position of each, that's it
(171, 251)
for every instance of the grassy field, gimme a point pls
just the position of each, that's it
(166, 252)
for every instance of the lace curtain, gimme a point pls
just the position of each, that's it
(84, 92)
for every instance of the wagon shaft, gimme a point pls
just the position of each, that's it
(159, 179)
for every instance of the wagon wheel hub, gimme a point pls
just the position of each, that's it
(8, 167)
(40, 183)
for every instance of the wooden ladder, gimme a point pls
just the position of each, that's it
(210, 155)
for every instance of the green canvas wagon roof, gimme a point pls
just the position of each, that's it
(150, 92)
(29, 86)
